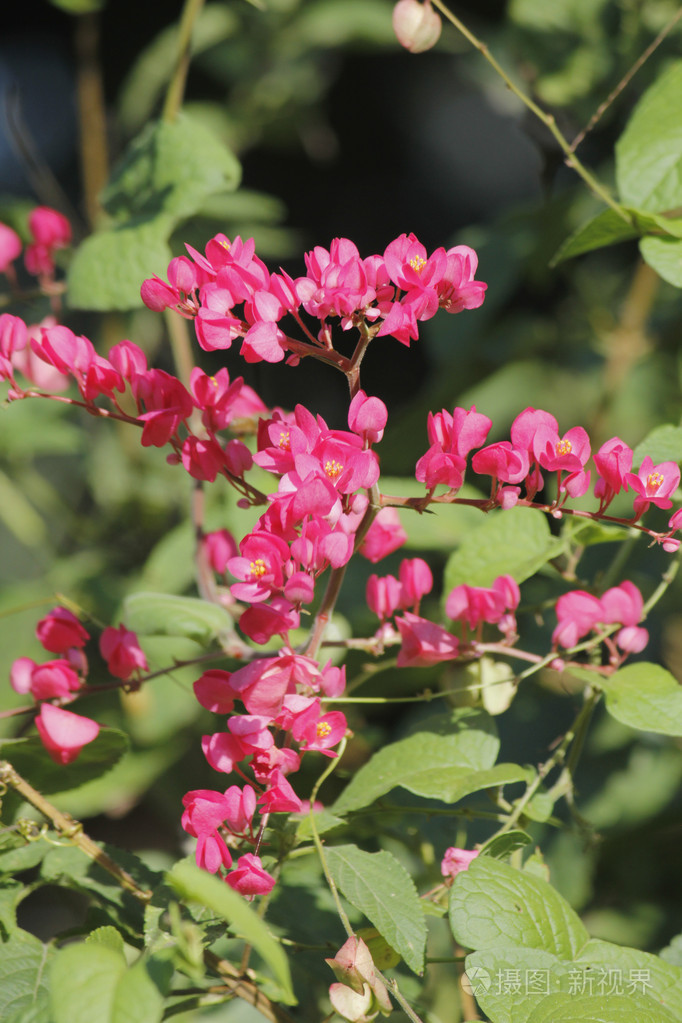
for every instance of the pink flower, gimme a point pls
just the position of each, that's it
(456, 860)
(654, 484)
(383, 595)
(261, 622)
(476, 604)
(213, 691)
(416, 581)
(424, 643)
(59, 630)
(51, 231)
(260, 567)
(316, 731)
(48, 681)
(63, 733)
(385, 535)
(501, 461)
(367, 417)
(220, 547)
(613, 462)
(121, 650)
(10, 248)
(249, 877)
(577, 612)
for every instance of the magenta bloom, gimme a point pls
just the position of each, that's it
(653, 484)
(578, 613)
(367, 417)
(456, 860)
(63, 733)
(213, 691)
(10, 247)
(51, 680)
(382, 594)
(385, 535)
(249, 877)
(416, 581)
(613, 462)
(424, 642)
(60, 630)
(121, 650)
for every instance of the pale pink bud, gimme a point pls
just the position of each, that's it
(417, 26)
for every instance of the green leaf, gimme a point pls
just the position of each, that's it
(509, 982)
(109, 267)
(587, 533)
(32, 761)
(664, 255)
(70, 867)
(644, 696)
(169, 169)
(504, 845)
(672, 953)
(649, 152)
(570, 1008)
(648, 974)
(107, 936)
(324, 821)
(515, 542)
(11, 893)
(380, 887)
(23, 982)
(198, 886)
(492, 904)
(140, 993)
(608, 228)
(663, 444)
(441, 754)
(163, 614)
(84, 979)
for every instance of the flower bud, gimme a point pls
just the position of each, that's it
(416, 25)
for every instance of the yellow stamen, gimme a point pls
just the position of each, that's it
(323, 729)
(284, 441)
(333, 468)
(258, 568)
(417, 263)
(654, 480)
(564, 447)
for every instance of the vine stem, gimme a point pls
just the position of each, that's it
(392, 986)
(343, 916)
(576, 733)
(71, 829)
(176, 86)
(548, 120)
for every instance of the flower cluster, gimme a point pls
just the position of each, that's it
(536, 447)
(61, 679)
(281, 717)
(50, 230)
(324, 507)
(230, 294)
